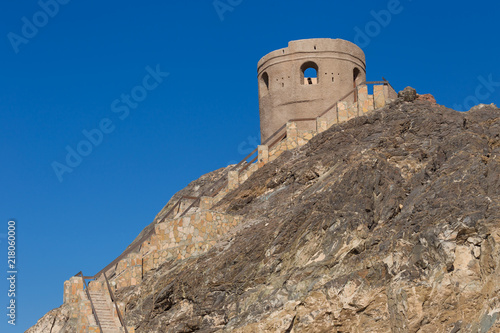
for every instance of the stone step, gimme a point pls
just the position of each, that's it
(105, 312)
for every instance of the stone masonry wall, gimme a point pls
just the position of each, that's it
(81, 310)
(178, 239)
(344, 111)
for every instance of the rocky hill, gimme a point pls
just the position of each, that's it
(389, 222)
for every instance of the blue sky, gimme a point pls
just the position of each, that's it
(69, 75)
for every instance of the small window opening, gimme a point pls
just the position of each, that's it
(355, 81)
(264, 83)
(309, 73)
(265, 79)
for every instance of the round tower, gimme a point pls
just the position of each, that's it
(306, 78)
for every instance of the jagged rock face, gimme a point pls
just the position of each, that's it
(55, 321)
(387, 223)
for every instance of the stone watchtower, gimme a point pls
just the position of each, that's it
(306, 78)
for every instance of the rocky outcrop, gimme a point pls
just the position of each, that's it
(408, 94)
(55, 321)
(389, 222)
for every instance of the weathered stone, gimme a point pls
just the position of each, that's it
(352, 110)
(233, 180)
(408, 94)
(206, 202)
(379, 96)
(263, 158)
(427, 97)
(342, 112)
(321, 125)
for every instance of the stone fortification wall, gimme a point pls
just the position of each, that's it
(342, 112)
(178, 239)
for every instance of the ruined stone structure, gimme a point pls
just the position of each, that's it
(306, 78)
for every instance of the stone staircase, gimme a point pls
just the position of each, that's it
(76, 295)
(105, 313)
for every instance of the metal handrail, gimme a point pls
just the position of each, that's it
(90, 299)
(248, 164)
(114, 301)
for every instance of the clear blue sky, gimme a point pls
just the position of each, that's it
(69, 77)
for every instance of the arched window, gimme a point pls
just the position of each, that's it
(356, 80)
(309, 73)
(356, 76)
(264, 83)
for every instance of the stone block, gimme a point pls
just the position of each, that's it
(243, 176)
(291, 135)
(379, 96)
(368, 104)
(263, 155)
(342, 112)
(233, 180)
(206, 203)
(95, 285)
(362, 94)
(352, 110)
(67, 292)
(389, 93)
(254, 167)
(321, 125)
(304, 136)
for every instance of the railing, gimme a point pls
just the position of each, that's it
(90, 298)
(213, 190)
(114, 302)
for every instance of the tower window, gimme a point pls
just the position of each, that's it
(309, 73)
(356, 79)
(264, 84)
